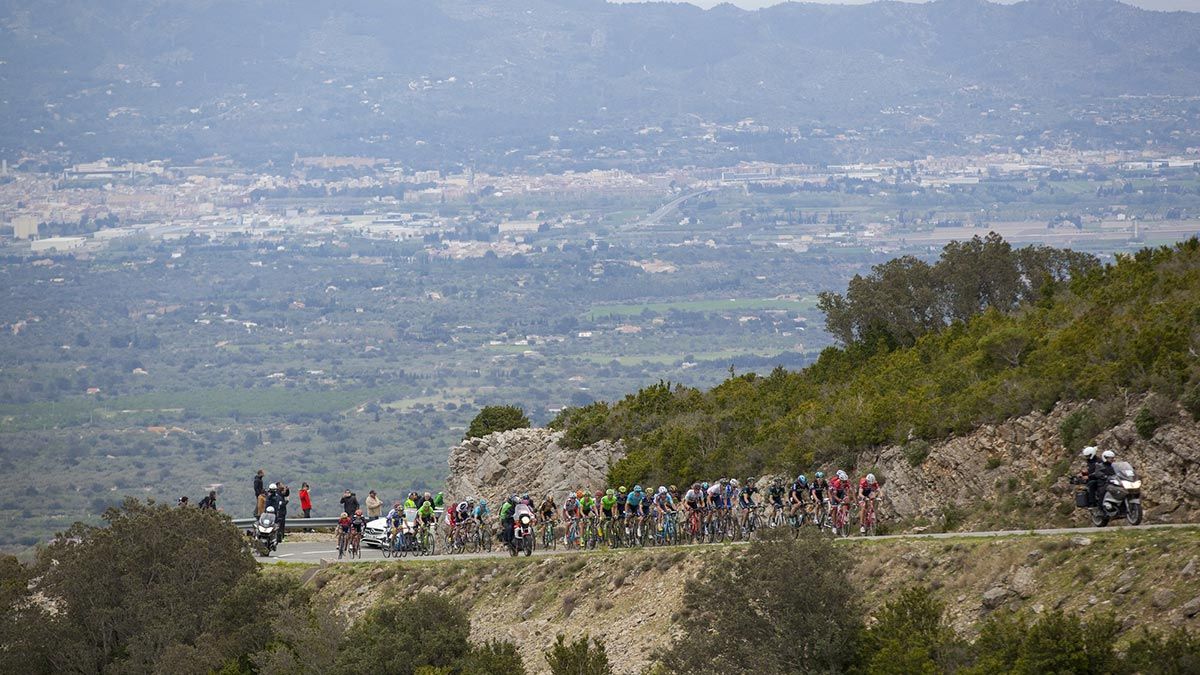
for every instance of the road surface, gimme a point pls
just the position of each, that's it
(654, 218)
(315, 552)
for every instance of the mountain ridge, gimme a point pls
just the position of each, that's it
(310, 77)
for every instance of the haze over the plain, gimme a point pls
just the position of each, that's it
(1159, 5)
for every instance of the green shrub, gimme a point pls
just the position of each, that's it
(910, 635)
(496, 418)
(761, 588)
(582, 657)
(1156, 411)
(493, 658)
(915, 451)
(399, 637)
(1191, 401)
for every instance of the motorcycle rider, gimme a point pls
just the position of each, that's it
(1106, 471)
(506, 518)
(1095, 479)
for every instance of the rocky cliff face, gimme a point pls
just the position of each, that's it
(527, 460)
(1017, 471)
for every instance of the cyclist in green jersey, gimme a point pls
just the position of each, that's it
(586, 504)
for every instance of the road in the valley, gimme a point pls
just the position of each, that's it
(654, 218)
(315, 552)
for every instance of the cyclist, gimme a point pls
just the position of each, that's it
(343, 531)
(664, 506)
(746, 500)
(608, 505)
(547, 510)
(775, 494)
(621, 496)
(587, 504)
(480, 511)
(819, 491)
(798, 496)
(693, 503)
(868, 490)
(571, 514)
(839, 491)
(425, 513)
(358, 523)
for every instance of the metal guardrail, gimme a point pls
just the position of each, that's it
(301, 521)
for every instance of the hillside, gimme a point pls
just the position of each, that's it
(1123, 338)
(624, 597)
(431, 80)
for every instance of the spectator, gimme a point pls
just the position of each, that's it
(183, 501)
(260, 504)
(349, 502)
(209, 502)
(258, 484)
(374, 505)
(305, 500)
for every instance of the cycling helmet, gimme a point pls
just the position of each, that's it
(803, 480)
(871, 478)
(662, 489)
(621, 489)
(704, 486)
(470, 499)
(733, 482)
(674, 489)
(750, 480)
(1089, 452)
(344, 514)
(820, 474)
(358, 512)
(842, 475)
(599, 494)
(271, 487)
(525, 495)
(610, 492)
(724, 481)
(637, 488)
(271, 509)
(695, 486)
(1109, 455)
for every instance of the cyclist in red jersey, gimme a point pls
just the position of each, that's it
(868, 489)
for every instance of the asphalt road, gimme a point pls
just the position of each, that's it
(315, 552)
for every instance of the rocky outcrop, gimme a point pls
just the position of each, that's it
(527, 460)
(1021, 465)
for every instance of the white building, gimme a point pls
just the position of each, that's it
(58, 243)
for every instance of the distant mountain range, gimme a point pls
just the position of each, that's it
(452, 80)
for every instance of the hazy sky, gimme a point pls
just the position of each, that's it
(1189, 5)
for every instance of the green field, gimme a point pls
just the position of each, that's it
(730, 305)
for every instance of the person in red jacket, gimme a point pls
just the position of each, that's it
(305, 501)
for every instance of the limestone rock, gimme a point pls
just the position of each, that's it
(1162, 598)
(527, 460)
(995, 596)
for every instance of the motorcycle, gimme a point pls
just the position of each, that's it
(1122, 497)
(266, 534)
(522, 533)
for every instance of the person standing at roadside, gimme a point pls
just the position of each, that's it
(209, 502)
(349, 502)
(260, 504)
(258, 484)
(305, 500)
(374, 505)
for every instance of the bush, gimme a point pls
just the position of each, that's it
(1156, 411)
(911, 635)
(1191, 401)
(581, 657)
(1054, 643)
(400, 637)
(915, 451)
(1151, 654)
(496, 418)
(493, 658)
(762, 588)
